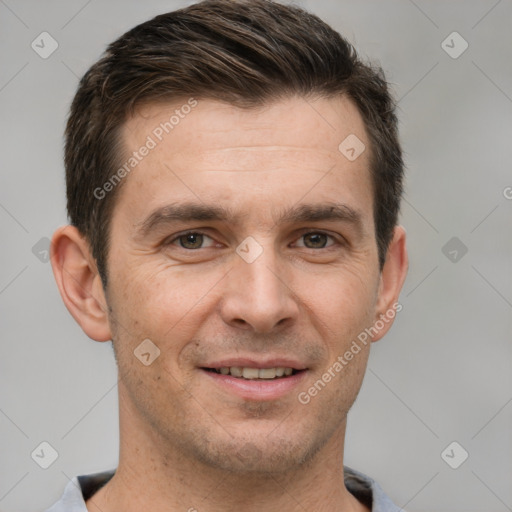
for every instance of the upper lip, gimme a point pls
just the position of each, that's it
(247, 362)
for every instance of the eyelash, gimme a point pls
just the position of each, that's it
(178, 236)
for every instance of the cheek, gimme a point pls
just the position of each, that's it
(161, 302)
(341, 304)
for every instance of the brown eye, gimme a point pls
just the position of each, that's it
(315, 240)
(191, 240)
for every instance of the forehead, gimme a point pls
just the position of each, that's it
(210, 151)
(190, 123)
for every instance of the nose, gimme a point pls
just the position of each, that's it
(258, 296)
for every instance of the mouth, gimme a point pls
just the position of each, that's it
(256, 380)
(254, 373)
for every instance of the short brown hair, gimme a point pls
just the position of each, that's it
(246, 53)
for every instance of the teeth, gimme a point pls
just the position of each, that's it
(266, 373)
(255, 373)
(250, 373)
(236, 371)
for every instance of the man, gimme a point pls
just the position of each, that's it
(233, 181)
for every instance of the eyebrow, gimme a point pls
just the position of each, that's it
(188, 212)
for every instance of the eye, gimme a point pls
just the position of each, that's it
(315, 240)
(191, 240)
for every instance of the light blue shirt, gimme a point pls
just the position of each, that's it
(81, 488)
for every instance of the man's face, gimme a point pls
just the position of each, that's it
(282, 281)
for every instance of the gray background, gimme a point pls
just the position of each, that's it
(442, 374)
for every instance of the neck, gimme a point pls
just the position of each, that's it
(154, 476)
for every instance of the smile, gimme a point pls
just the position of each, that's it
(254, 383)
(254, 373)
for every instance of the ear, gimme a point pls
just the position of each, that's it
(79, 283)
(392, 278)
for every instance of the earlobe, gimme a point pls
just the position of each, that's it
(79, 282)
(392, 279)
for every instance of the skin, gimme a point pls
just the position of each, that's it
(186, 442)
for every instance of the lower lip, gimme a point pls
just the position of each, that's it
(257, 389)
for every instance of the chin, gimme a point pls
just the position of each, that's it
(257, 455)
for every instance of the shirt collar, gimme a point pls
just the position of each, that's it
(80, 488)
